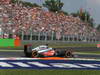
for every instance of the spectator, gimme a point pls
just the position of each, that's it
(16, 17)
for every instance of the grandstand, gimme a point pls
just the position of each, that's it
(40, 25)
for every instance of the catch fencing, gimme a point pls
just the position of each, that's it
(43, 36)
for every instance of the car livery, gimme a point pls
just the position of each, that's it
(45, 51)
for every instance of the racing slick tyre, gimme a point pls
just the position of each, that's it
(68, 54)
(34, 54)
(28, 50)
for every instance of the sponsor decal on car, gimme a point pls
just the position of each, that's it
(49, 64)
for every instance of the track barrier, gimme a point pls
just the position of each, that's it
(10, 42)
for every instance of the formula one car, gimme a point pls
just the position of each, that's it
(45, 51)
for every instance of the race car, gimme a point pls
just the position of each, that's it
(45, 51)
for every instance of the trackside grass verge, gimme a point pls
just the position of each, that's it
(57, 45)
(61, 44)
(49, 72)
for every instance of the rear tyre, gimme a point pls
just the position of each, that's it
(28, 50)
(34, 54)
(68, 54)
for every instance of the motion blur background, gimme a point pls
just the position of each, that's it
(76, 21)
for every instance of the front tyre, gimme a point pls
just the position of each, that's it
(69, 54)
(34, 54)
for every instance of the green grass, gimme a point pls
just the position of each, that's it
(62, 44)
(49, 72)
(73, 45)
(57, 45)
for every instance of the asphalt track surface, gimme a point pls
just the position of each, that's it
(20, 53)
(10, 61)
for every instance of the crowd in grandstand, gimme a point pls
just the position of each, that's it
(16, 17)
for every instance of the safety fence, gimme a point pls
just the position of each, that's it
(42, 36)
